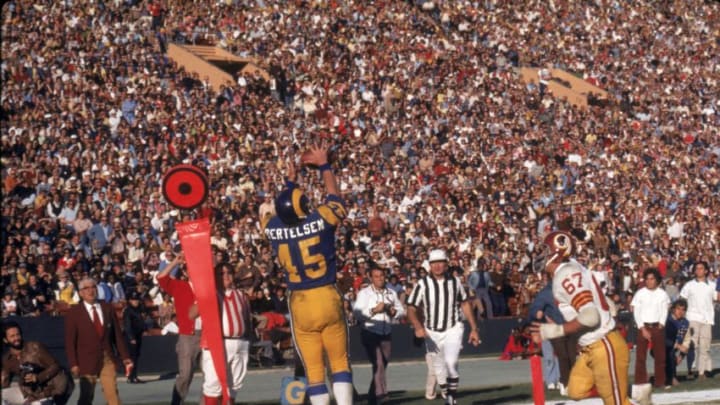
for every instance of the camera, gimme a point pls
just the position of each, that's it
(29, 368)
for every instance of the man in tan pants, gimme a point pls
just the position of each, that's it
(699, 294)
(92, 335)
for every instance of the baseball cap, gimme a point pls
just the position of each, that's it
(437, 255)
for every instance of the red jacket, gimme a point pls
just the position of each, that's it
(83, 347)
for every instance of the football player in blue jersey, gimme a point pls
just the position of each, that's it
(304, 241)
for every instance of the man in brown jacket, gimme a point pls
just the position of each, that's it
(92, 336)
(40, 375)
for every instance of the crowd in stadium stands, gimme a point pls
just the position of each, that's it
(433, 132)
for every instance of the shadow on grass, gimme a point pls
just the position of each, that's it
(503, 399)
(502, 394)
(489, 395)
(167, 376)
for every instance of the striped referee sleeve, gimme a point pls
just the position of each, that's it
(461, 293)
(416, 297)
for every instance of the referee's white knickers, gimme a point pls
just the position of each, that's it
(237, 352)
(447, 346)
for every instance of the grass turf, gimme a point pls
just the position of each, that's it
(502, 394)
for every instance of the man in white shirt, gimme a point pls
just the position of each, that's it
(68, 213)
(376, 307)
(650, 308)
(171, 327)
(236, 329)
(699, 294)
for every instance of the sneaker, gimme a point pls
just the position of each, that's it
(450, 400)
(551, 386)
(563, 389)
(642, 393)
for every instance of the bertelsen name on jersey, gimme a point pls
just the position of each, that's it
(310, 228)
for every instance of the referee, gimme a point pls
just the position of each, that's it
(442, 295)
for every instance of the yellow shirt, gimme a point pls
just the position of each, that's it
(67, 293)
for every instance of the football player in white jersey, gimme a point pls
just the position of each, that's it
(602, 365)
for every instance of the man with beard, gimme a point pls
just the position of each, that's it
(40, 376)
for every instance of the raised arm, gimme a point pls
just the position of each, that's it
(318, 156)
(178, 259)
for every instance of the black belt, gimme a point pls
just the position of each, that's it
(440, 330)
(233, 337)
(652, 324)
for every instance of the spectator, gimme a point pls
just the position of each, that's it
(40, 293)
(262, 301)
(133, 328)
(376, 309)
(166, 310)
(26, 304)
(40, 375)
(558, 354)
(280, 304)
(105, 290)
(672, 289)
(497, 291)
(9, 305)
(171, 327)
(118, 291)
(699, 294)
(99, 234)
(677, 341)
(92, 336)
(479, 280)
(520, 346)
(650, 308)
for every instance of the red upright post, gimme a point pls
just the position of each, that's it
(538, 385)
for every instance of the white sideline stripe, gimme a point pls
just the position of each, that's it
(657, 399)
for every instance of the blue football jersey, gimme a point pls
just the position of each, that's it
(307, 250)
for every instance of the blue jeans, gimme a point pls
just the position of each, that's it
(551, 366)
(484, 297)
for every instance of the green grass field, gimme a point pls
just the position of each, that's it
(506, 394)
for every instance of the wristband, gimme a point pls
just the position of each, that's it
(551, 331)
(324, 166)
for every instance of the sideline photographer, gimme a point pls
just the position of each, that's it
(41, 379)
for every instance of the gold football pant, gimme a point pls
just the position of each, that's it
(602, 365)
(319, 327)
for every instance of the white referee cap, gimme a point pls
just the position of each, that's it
(437, 255)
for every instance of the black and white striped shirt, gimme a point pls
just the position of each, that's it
(440, 300)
